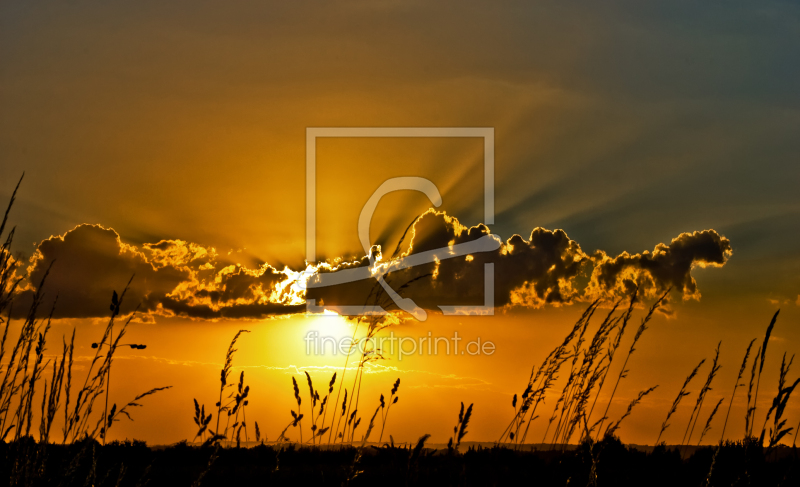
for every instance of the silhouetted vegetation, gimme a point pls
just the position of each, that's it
(608, 462)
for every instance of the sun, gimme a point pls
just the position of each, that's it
(327, 335)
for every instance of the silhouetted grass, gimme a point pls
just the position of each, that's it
(23, 374)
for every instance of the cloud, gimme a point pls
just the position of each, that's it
(533, 271)
(666, 266)
(545, 268)
(179, 278)
(88, 263)
(171, 277)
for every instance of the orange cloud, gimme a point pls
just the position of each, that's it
(546, 268)
(666, 266)
(172, 277)
(179, 278)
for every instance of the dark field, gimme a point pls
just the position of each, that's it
(606, 463)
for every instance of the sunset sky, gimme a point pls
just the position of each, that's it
(169, 141)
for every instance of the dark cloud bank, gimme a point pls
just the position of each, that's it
(178, 278)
